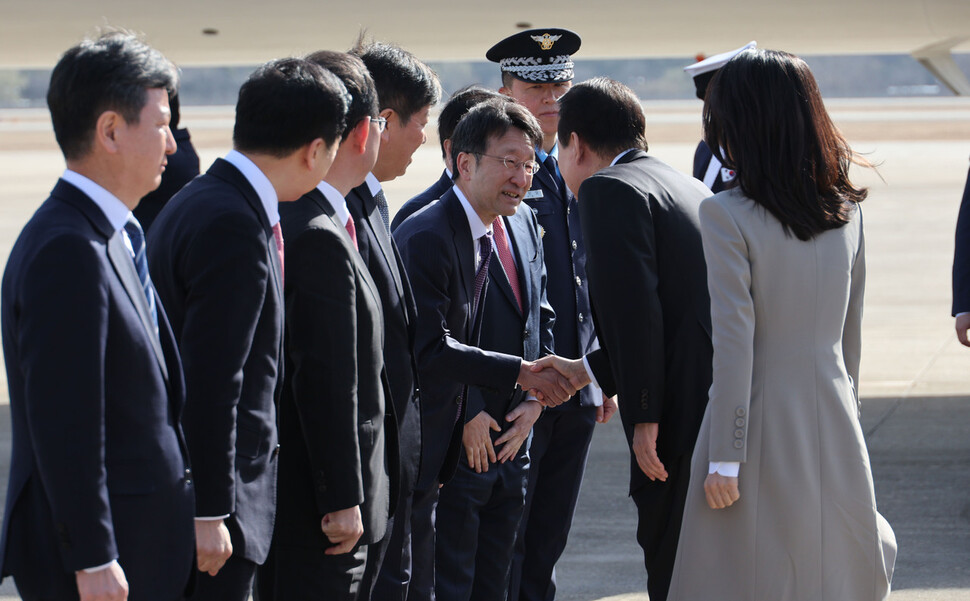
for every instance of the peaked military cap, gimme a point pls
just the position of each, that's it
(537, 55)
(703, 71)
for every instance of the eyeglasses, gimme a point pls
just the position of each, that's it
(380, 121)
(531, 167)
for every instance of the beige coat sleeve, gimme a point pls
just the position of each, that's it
(732, 326)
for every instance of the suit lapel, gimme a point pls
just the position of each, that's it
(379, 232)
(464, 249)
(125, 268)
(549, 183)
(121, 260)
(520, 237)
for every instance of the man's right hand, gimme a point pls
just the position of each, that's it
(212, 545)
(550, 387)
(108, 584)
(344, 528)
(478, 442)
(962, 325)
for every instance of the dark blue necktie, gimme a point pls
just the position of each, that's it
(552, 166)
(137, 238)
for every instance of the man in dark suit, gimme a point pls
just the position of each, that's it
(100, 485)
(706, 166)
(338, 459)
(961, 269)
(446, 248)
(448, 119)
(215, 254)
(182, 167)
(406, 89)
(648, 287)
(537, 69)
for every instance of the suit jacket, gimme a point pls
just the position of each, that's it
(961, 256)
(380, 254)
(565, 257)
(213, 258)
(338, 438)
(438, 251)
(99, 467)
(431, 194)
(506, 328)
(650, 301)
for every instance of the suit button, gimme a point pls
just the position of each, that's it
(580, 318)
(188, 472)
(740, 412)
(575, 246)
(739, 433)
(738, 444)
(739, 422)
(188, 481)
(525, 334)
(579, 281)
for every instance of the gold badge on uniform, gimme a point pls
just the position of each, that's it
(546, 41)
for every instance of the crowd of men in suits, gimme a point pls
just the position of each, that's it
(307, 400)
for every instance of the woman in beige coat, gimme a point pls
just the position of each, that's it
(781, 504)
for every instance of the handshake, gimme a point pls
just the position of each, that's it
(553, 380)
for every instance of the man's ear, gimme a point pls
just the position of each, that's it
(315, 151)
(506, 91)
(106, 130)
(387, 113)
(360, 134)
(447, 158)
(466, 164)
(579, 147)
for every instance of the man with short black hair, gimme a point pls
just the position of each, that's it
(537, 69)
(406, 90)
(448, 119)
(448, 251)
(216, 255)
(338, 460)
(648, 286)
(100, 496)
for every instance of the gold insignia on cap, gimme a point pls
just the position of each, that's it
(546, 41)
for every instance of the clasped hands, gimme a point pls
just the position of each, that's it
(553, 380)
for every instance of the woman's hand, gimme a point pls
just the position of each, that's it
(721, 491)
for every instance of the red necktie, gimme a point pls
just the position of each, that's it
(505, 256)
(278, 234)
(352, 230)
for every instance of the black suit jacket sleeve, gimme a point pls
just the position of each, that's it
(622, 267)
(961, 256)
(321, 317)
(226, 277)
(62, 357)
(432, 268)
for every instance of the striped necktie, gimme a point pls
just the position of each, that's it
(505, 256)
(381, 201)
(137, 238)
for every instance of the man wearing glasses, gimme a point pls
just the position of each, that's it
(537, 69)
(476, 267)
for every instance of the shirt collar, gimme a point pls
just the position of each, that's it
(260, 183)
(475, 224)
(372, 184)
(542, 154)
(336, 201)
(116, 212)
(621, 155)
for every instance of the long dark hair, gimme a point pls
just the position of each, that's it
(764, 118)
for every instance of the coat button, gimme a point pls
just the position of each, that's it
(739, 433)
(738, 444)
(580, 318)
(740, 412)
(525, 334)
(739, 422)
(579, 281)
(575, 246)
